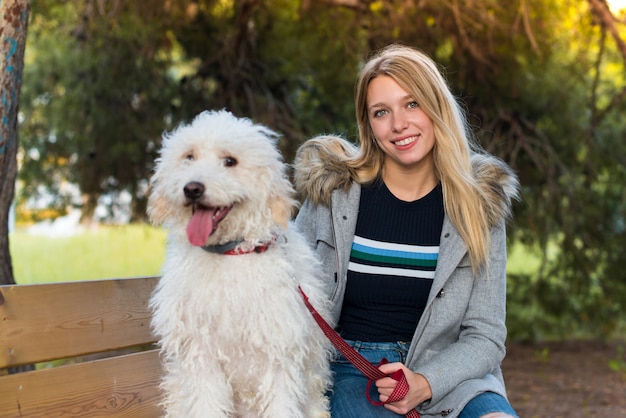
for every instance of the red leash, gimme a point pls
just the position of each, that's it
(364, 366)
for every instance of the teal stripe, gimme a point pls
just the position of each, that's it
(393, 253)
(414, 262)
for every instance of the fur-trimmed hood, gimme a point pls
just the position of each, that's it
(320, 168)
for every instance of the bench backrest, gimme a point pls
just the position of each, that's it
(99, 330)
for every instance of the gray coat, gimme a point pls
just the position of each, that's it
(459, 342)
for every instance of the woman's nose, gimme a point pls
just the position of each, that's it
(399, 122)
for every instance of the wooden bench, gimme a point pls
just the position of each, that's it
(99, 333)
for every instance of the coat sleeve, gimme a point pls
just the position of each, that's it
(473, 346)
(305, 222)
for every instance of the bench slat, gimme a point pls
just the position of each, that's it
(72, 319)
(125, 386)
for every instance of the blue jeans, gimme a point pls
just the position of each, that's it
(348, 398)
(485, 403)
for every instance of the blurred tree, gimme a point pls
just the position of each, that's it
(98, 92)
(572, 170)
(115, 74)
(272, 61)
(13, 27)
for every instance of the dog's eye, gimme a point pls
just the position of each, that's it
(230, 162)
(189, 157)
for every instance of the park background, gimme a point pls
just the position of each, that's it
(543, 83)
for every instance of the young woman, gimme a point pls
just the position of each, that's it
(410, 227)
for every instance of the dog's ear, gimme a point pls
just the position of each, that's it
(282, 203)
(158, 209)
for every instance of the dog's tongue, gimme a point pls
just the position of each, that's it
(200, 226)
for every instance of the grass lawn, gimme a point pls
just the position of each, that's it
(107, 252)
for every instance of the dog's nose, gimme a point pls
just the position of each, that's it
(193, 190)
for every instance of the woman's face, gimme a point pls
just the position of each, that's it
(402, 129)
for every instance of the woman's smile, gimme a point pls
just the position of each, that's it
(406, 141)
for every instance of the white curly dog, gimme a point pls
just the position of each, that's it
(235, 336)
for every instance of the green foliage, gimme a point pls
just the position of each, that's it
(618, 364)
(107, 252)
(95, 95)
(261, 64)
(573, 198)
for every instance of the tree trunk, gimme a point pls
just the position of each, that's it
(13, 26)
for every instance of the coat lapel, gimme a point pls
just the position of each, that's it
(451, 251)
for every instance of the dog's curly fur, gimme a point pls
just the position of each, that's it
(235, 336)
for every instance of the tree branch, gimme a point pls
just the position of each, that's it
(605, 18)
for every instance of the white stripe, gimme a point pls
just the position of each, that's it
(396, 247)
(388, 271)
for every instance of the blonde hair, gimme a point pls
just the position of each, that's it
(419, 75)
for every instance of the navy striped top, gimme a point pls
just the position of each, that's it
(392, 264)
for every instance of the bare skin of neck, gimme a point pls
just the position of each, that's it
(409, 185)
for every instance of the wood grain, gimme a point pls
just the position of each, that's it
(125, 386)
(44, 322)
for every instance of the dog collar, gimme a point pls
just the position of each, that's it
(232, 248)
(222, 248)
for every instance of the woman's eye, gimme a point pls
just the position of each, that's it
(413, 105)
(379, 113)
(230, 162)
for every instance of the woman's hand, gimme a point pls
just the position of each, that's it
(419, 388)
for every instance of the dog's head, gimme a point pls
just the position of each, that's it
(220, 179)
